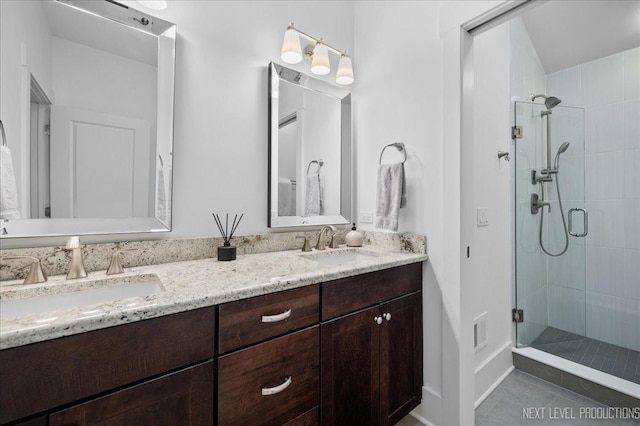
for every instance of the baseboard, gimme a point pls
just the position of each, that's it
(429, 412)
(492, 372)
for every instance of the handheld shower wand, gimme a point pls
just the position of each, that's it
(556, 165)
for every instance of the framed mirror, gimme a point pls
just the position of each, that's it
(87, 95)
(310, 150)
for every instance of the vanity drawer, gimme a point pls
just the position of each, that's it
(288, 367)
(339, 297)
(41, 376)
(249, 321)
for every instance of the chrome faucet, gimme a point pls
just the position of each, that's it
(321, 245)
(76, 270)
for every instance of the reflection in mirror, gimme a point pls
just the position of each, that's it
(309, 150)
(87, 105)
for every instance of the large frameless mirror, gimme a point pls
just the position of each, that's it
(87, 95)
(310, 150)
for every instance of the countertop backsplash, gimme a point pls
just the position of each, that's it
(55, 260)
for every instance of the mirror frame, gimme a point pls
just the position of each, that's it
(165, 32)
(279, 73)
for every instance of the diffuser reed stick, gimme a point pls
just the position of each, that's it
(226, 235)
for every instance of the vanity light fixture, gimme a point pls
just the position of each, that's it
(154, 4)
(317, 54)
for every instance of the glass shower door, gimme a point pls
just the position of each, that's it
(550, 225)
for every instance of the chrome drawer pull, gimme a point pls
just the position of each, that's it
(277, 389)
(275, 318)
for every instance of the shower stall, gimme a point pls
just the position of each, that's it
(576, 207)
(560, 294)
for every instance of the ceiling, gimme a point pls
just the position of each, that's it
(103, 34)
(566, 33)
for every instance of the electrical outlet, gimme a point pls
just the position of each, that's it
(482, 215)
(366, 217)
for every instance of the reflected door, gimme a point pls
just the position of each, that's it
(100, 165)
(550, 224)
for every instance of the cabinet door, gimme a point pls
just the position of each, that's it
(400, 358)
(181, 398)
(350, 361)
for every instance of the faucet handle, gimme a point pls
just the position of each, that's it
(115, 267)
(36, 274)
(334, 241)
(307, 245)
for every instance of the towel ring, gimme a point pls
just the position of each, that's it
(4, 137)
(397, 145)
(320, 163)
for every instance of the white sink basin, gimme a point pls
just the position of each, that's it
(338, 257)
(99, 291)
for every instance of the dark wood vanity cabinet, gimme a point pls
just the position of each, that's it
(343, 352)
(128, 363)
(371, 359)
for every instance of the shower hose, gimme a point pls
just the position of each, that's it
(564, 222)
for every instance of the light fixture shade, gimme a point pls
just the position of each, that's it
(320, 62)
(344, 75)
(154, 4)
(291, 50)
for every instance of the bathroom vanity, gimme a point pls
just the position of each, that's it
(321, 343)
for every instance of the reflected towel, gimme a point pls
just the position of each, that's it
(161, 210)
(8, 191)
(390, 195)
(286, 197)
(313, 199)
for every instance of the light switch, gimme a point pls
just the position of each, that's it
(482, 216)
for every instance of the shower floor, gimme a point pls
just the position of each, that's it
(611, 359)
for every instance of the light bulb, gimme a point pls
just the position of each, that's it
(344, 75)
(320, 62)
(154, 4)
(291, 51)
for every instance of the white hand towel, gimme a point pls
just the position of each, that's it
(8, 191)
(313, 199)
(389, 195)
(286, 197)
(161, 210)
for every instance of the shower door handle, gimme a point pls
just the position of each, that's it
(586, 222)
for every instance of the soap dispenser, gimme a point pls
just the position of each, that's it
(354, 238)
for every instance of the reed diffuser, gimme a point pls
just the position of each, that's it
(226, 251)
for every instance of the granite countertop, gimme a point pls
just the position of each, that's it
(188, 285)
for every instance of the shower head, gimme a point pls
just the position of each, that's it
(549, 101)
(563, 147)
(561, 150)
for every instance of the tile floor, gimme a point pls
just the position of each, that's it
(504, 407)
(615, 360)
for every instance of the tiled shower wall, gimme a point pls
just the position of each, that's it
(609, 90)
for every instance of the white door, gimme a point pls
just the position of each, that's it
(99, 165)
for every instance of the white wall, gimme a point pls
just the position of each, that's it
(25, 41)
(491, 248)
(94, 80)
